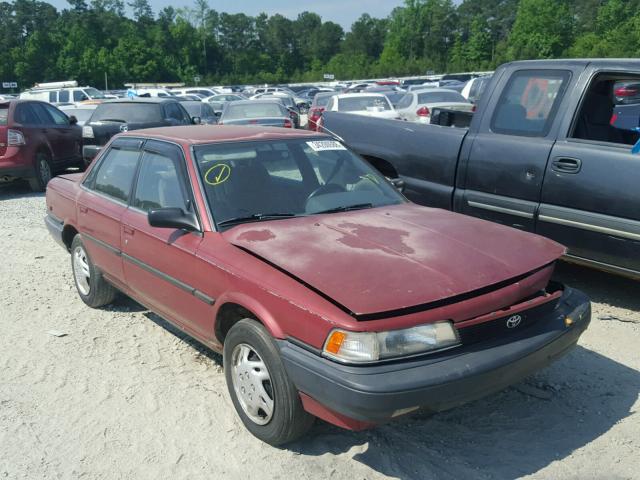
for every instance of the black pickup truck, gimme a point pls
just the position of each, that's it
(541, 154)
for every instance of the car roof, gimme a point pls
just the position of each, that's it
(435, 90)
(141, 100)
(340, 96)
(258, 100)
(205, 134)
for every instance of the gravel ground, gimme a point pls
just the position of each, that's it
(124, 395)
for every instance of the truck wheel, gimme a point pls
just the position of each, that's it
(42, 173)
(266, 400)
(93, 289)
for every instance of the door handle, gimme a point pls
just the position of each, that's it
(566, 165)
(128, 230)
(83, 209)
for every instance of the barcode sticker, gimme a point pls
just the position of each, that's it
(322, 145)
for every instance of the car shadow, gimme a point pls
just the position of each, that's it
(600, 286)
(508, 435)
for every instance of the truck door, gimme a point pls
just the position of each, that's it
(591, 197)
(508, 155)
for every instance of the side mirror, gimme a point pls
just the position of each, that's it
(73, 120)
(398, 183)
(196, 120)
(173, 218)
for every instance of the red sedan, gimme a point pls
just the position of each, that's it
(328, 293)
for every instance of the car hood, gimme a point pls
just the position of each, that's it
(390, 258)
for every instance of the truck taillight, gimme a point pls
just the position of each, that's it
(423, 112)
(87, 132)
(15, 138)
(287, 123)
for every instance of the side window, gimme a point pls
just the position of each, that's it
(529, 102)
(63, 96)
(174, 112)
(59, 118)
(115, 173)
(330, 104)
(79, 96)
(53, 96)
(25, 115)
(610, 110)
(160, 184)
(41, 112)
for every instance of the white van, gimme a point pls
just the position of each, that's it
(62, 92)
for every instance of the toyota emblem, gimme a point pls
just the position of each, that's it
(124, 128)
(514, 321)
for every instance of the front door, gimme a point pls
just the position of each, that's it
(160, 264)
(508, 156)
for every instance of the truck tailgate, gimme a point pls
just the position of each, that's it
(424, 156)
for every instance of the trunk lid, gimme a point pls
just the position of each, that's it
(392, 258)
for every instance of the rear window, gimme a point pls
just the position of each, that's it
(529, 102)
(358, 104)
(438, 97)
(128, 112)
(255, 110)
(322, 100)
(4, 114)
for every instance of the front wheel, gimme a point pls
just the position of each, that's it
(264, 397)
(93, 289)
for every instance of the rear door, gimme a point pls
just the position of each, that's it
(103, 200)
(160, 264)
(507, 158)
(68, 136)
(591, 193)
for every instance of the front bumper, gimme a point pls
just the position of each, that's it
(374, 394)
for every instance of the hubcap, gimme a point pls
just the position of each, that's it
(81, 271)
(45, 170)
(252, 384)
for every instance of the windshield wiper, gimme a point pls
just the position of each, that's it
(346, 208)
(256, 217)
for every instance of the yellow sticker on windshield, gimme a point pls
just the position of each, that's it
(217, 174)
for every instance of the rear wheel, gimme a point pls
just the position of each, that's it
(42, 174)
(93, 289)
(264, 397)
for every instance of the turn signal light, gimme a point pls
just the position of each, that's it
(334, 342)
(423, 112)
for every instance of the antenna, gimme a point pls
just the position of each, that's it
(332, 133)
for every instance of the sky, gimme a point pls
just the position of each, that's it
(343, 12)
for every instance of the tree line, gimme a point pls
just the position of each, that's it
(130, 42)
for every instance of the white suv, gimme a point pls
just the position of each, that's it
(62, 92)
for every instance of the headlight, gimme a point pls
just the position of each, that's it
(363, 347)
(87, 132)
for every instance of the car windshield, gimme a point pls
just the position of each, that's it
(252, 181)
(94, 94)
(322, 100)
(438, 97)
(254, 110)
(357, 104)
(128, 112)
(4, 113)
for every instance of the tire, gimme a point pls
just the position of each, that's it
(43, 172)
(286, 420)
(94, 290)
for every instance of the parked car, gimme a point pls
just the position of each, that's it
(540, 155)
(318, 105)
(368, 104)
(116, 116)
(82, 112)
(626, 116)
(203, 92)
(416, 106)
(287, 100)
(270, 113)
(218, 102)
(627, 92)
(328, 294)
(149, 92)
(62, 92)
(202, 112)
(474, 88)
(36, 141)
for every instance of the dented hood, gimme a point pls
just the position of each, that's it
(389, 258)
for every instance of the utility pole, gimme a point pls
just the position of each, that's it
(106, 84)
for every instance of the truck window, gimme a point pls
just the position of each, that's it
(53, 96)
(79, 96)
(63, 96)
(115, 173)
(529, 102)
(608, 113)
(159, 184)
